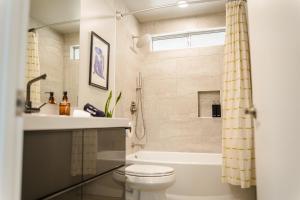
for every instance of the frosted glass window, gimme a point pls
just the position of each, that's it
(160, 44)
(75, 52)
(189, 40)
(209, 39)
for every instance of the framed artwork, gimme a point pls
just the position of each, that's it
(99, 62)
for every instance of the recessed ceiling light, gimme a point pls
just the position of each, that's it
(182, 4)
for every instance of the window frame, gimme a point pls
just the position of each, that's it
(73, 49)
(187, 35)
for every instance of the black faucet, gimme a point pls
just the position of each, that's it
(28, 103)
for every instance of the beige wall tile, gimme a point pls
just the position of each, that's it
(172, 80)
(160, 87)
(159, 69)
(190, 85)
(128, 63)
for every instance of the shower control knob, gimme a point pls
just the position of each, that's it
(133, 107)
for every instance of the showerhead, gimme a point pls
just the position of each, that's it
(142, 40)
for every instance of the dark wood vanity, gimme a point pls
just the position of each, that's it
(73, 164)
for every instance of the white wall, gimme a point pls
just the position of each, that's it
(13, 22)
(128, 64)
(97, 16)
(71, 68)
(275, 57)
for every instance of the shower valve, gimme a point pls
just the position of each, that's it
(133, 107)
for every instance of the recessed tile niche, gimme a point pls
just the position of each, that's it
(205, 101)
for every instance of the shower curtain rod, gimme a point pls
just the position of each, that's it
(164, 6)
(54, 24)
(128, 13)
(71, 21)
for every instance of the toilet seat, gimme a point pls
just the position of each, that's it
(145, 171)
(148, 182)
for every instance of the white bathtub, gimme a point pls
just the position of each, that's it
(198, 175)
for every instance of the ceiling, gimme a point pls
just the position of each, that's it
(173, 12)
(54, 11)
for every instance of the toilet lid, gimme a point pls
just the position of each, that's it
(146, 170)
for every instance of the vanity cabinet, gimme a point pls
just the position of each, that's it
(74, 194)
(72, 164)
(104, 188)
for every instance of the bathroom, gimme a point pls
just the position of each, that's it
(149, 100)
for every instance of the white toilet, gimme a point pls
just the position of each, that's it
(146, 182)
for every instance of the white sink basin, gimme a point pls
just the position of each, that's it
(42, 121)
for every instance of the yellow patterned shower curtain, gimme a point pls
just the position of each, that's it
(32, 69)
(237, 129)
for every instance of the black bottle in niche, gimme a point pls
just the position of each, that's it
(216, 109)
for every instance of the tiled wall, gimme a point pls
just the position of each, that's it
(71, 68)
(54, 55)
(51, 49)
(128, 63)
(172, 80)
(171, 84)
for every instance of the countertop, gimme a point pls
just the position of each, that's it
(33, 122)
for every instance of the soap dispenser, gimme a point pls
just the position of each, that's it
(51, 99)
(51, 107)
(65, 106)
(216, 109)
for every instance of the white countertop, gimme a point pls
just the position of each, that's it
(33, 122)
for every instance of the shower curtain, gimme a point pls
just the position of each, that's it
(237, 128)
(32, 69)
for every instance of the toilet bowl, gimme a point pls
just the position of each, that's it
(145, 182)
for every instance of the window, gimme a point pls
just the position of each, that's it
(75, 52)
(189, 40)
(207, 39)
(169, 42)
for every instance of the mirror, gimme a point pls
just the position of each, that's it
(53, 49)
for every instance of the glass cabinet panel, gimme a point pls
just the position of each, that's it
(70, 195)
(103, 150)
(104, 188)
(47, 162)
(54, 161)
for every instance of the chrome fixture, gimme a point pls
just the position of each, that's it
(53, 24)
(28, 103)
(133, 107)
(140, 112)
(140, 41)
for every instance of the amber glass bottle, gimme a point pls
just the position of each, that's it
(65, 106)
(51, 98)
